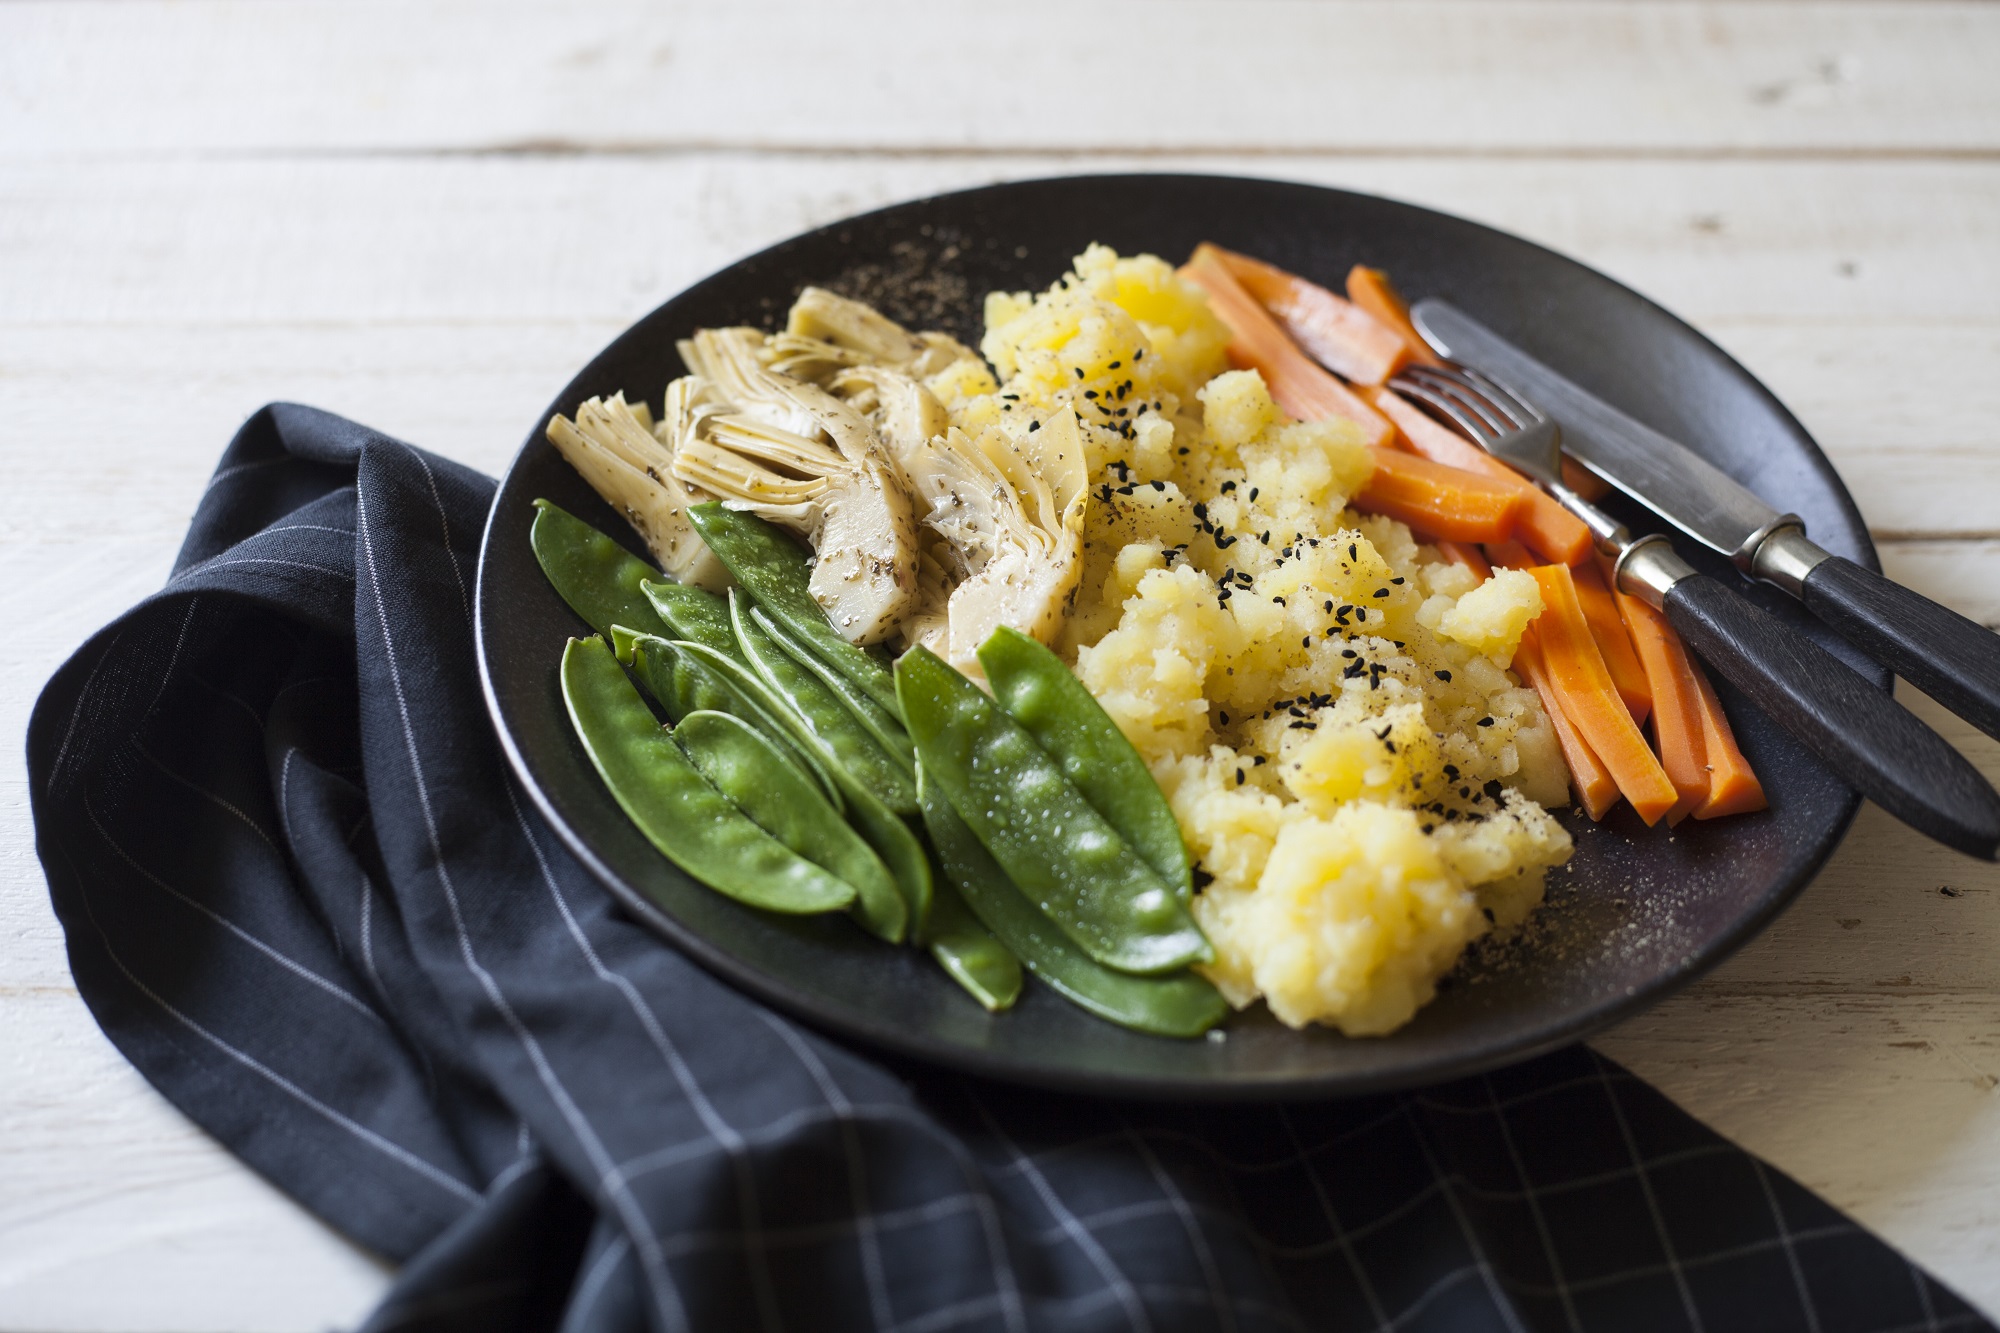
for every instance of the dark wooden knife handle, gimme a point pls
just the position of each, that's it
(1954, 660)
(1868, 739)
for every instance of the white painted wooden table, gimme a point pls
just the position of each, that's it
(426, 216)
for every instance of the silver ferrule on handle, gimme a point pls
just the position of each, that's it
(1648, 567)
(1782, 554)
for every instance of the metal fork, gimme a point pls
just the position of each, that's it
(1868, 739)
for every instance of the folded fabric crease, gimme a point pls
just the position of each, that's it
(303, 895)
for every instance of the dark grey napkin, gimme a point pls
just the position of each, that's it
(303, 895)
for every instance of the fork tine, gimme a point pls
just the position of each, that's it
(1525, 413)
(1468, 396)
(1504, 410)
(1474, 428)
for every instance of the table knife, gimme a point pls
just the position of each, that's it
(1952, 659)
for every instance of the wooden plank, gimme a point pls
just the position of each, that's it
(1856, 1042)
(118, 1213)
(387, 240)
(153, 77)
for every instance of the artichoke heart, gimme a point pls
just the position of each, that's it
(612, 444)
(795, 454)
(825, 334)
(1010, 511)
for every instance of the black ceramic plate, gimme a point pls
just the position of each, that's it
(1638, 911)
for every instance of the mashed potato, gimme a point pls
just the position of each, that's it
(1325, 701)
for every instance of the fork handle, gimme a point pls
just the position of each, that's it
(1870, 741)
(1954, 660)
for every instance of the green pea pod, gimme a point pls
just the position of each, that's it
(597, 577)
(693, 825)
(693, 613)
(767, 786)
(885, 831)
(843, 741)
(968, 953)
(684, 683)
(776, 571)
(1177, 1005)
(876, 720)
(657, 667)
(1065, 719)
(1045, 835)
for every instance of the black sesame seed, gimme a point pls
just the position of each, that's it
(1444, 676)
(1485, 721)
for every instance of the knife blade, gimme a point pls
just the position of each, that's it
(1954, 660)
(1659, 472)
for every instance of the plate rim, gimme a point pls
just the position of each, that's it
(799, 1005)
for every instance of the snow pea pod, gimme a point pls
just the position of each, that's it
(656, 666)
(693, 613)
(1047, 699)
(843, 741)
(968, 953)
(876, 720)
(684, 682)
(1045, 835)
(597, 577)
(692, 824)
(1180, 1004)
(774, 569)
(885, 832)
(765, 784)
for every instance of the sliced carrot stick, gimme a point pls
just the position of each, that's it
(1337, 333)
(1371, 289)
(1462, 553)
(1583, 686)
(1732, 788)
(1511, 555)
(1677, 729)
(1614, 640)
(1583, 481)
(1588, 777)
(1543, 524)
(1445, 502)
(1300, 385)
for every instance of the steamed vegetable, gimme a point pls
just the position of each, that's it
(694, 826)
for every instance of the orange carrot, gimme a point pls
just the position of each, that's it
(1371, 289)
(1583, 481)
(1677, 729)
(1304, 388)
(1732, 788)
(1337, 333)
(1588, 777)
(1583, 687)
(1511, 555)
(1461, 553)
(1614, 640)
(1442, 501)
(1543, 524)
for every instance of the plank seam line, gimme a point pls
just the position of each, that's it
(691, 148)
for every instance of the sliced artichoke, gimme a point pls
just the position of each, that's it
(795, 454)
(1010, 510)
(825, 334)
(612, 444)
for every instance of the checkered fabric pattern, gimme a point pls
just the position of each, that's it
(303, 897)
